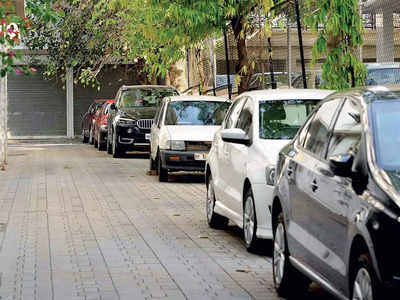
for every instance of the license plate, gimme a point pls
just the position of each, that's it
(200, 156)
(147, 136)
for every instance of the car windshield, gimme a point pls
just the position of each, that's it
(144, 97)
(281, 119)
(196, 112)
(386, 121)
(386, 76)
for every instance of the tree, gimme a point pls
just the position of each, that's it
(338, 40)
(171, 26)
(86, 36)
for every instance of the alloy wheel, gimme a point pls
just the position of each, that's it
(248, 221)
(362, 289)
(279, 253)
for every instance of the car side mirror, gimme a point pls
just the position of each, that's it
(113, 106)
(235, 136)
(341, 165)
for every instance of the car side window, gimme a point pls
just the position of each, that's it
(304, 130)
(317, 136)
(233, 113)
(346, 134)
(245, 120)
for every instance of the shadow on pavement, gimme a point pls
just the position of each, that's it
(183, 177)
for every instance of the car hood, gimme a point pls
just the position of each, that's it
(138, 112)
(192, 133)
(271, 149)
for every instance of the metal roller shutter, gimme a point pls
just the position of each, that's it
(36, 107)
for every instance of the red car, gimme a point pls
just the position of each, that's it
(100, 125)
(87, 121)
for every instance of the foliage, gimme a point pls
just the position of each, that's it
(11, 29)
(86, 36)
(337, 40)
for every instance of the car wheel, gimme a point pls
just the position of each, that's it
(116, 151)
(250, 222)
(101, 145)
(85, 139)
(287, 280)
(364, 283)
(109, 145)
(152, 164)
(91, 139)
(214, 220)
(162, 172)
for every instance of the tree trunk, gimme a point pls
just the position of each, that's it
(242, 67)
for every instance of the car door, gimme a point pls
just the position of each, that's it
(222, 169)
(300, 173)
(333, 195)
(111, 116)
(238, 160)
(155, 129)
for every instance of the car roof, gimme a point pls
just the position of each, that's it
(147, 86)
(384, 65)
(197, 98)
(370, 94)
(288, 94)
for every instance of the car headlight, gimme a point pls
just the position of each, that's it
(270, 175)
(178, 145)
(125, 121)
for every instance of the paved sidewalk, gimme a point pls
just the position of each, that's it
(77, 224)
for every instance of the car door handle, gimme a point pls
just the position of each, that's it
(314, 186)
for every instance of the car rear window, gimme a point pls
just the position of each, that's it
(196, 112)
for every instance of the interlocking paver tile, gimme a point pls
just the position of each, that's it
(77, 224)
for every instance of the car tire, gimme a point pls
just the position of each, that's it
(251, 241)
(109, 145)
(85, 139)
(116, 151)
(152, 164)
(364, 282)
(91, 138)
(214, 220)
(101, 145)
(288, 281)
(162, 172)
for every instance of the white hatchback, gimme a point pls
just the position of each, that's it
(240, 167)
(182, 133)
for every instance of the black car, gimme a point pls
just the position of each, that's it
(131, 116)
(336, 206)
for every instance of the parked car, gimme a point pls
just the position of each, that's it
(241, 164)
(336, 209)
(183, 131)
(131, 116)
(100, 125)
(378, 74)
(87, 121)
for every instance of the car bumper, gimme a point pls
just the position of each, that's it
(133, 138)
(262, 201)
(182, 160)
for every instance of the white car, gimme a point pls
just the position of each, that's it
(240, 167)
(182, 133)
